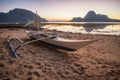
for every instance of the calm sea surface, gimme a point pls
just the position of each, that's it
(110, 28)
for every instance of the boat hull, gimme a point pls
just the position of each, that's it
(58, 46)
(65, 44)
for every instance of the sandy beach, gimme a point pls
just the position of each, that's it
(97, 61)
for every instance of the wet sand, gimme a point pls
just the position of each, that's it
(35, 61)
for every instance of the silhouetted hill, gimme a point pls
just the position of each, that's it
(76, 19)
(19, 16)
(91, 16)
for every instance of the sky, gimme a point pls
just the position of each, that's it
(64, 9)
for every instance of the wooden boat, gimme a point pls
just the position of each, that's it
(57, 42)
(61, 43)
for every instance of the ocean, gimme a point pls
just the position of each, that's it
(103, 28)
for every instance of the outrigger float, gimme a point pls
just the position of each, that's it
(57, 42)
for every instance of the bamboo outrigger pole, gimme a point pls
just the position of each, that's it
(14, 50)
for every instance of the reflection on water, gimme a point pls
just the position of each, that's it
(111, 29)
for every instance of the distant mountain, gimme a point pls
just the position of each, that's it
(91, 16)
(76, 19)
(19, 16)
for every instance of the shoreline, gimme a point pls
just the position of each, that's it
(99, 60)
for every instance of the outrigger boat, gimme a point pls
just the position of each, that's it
(55, 41)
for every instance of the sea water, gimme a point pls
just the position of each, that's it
(103, 28)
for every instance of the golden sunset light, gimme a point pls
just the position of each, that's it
(64, 9)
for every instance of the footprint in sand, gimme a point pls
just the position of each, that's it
(30, 78)
(7, 79)
(63, 74)
(29, 73)
(1, 65)
(1, 57)
(36, 73)
(1, 51)
(11, 61)
(38, 63)
(28, 66)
